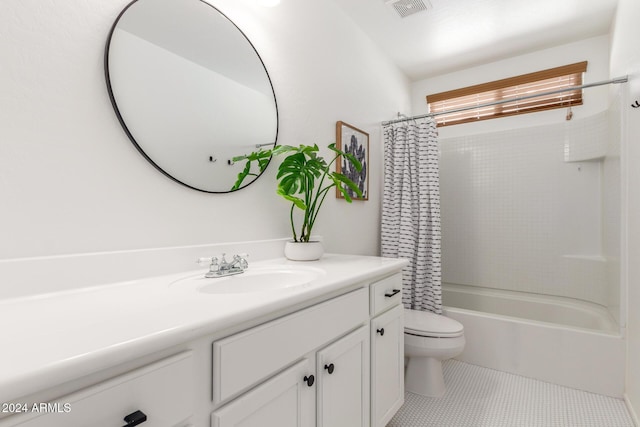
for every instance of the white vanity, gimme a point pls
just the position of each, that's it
(326, 350)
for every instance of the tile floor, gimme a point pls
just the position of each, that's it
(479, 397)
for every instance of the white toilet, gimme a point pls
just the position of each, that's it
(428, 340)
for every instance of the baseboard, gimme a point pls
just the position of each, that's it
(634, 415)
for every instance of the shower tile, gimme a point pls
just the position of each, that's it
(586, 139)
(512, 209)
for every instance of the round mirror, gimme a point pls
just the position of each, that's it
(190, 91)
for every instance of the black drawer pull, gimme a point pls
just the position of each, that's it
(381, 331)
(309, 380)
(330, 368)
(135, 418)
(392, 293)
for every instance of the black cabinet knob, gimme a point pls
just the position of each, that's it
(381, 331)
(309, 380)
(135, 418)
(330, 368)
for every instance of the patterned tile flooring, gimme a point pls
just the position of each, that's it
(481, 397)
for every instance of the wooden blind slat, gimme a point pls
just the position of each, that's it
(577, 68)
(515, 87)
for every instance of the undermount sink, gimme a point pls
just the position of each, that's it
(255, 279)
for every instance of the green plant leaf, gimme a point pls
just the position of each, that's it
(283, 149)
(262, 157)
(241, 176)
(339, 179)
(298, 202)
(253, 156)
(309, 150)
(315, 167)
(292, 173)
(352, 159)
(301, 179)
(345, 194)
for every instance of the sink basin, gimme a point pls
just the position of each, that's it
(255, 279)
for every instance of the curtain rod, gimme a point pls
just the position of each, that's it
(617, 80)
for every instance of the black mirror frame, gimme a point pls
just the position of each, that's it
(126, 129)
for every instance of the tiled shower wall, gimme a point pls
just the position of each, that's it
(523, 209)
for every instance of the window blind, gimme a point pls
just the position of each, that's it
(511, 88)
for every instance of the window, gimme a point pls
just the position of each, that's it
(528, 85)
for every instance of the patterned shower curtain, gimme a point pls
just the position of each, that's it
(411, 211)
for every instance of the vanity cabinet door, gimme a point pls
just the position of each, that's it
(343, 381)
(387, 365)
(286, 400)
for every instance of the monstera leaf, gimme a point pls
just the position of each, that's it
(304, 179)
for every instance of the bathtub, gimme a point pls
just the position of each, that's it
(559, 340)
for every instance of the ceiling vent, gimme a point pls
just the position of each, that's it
(409, 7)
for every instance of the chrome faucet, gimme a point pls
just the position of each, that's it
(222, 268)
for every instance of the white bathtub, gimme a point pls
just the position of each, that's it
(568, 342)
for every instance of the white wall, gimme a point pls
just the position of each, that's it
(71, 182)
(625, 59)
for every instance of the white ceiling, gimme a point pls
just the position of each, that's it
(458, 34)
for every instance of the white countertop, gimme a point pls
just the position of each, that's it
(50, 339)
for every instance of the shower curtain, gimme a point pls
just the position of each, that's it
(411, 211)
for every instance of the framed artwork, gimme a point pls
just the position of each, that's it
(353, 141)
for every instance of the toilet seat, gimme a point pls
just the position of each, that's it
(430, 325)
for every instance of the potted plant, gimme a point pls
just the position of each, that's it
(304, 179)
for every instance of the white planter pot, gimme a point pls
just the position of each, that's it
(303, 251)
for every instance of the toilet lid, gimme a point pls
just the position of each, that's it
(426, 324)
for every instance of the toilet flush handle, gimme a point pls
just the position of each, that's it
(392, 293)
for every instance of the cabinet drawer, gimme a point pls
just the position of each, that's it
(386, 293)
(163, 391)
(249, 357)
